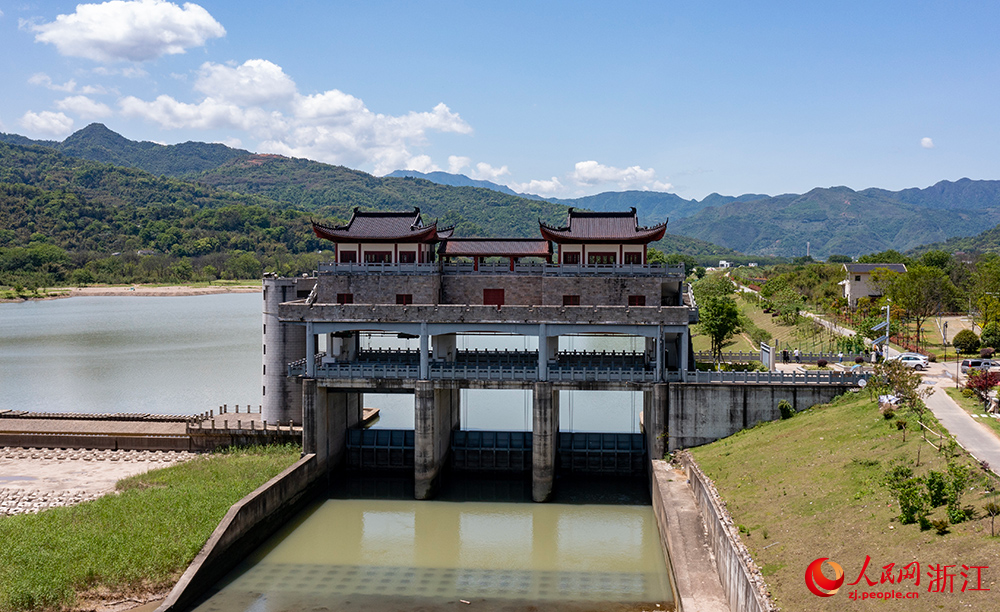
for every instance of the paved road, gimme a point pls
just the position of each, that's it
(975, 437)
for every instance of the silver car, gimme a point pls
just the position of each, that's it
(976, 364)
(913, 360)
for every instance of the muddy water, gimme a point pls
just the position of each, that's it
(350, 554)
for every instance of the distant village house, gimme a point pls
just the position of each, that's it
(858, 283)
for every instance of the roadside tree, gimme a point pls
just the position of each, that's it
(720, 319)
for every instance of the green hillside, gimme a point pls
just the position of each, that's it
(97, 143)
(835, 220)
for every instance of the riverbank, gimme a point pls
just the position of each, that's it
(134, 290)
(155, 523)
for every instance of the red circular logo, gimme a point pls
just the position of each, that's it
(819, 584)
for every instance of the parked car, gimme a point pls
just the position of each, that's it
(912, 360)
(976, 364)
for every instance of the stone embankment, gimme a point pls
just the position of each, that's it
(32, 480)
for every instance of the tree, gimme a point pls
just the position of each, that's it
(981, 382)
(894, 378)
(714, 285)
(991, 335)
(922, 291)
(839, 259)
(985, 291)
(890, 256)
(720, 319)
(966, 341)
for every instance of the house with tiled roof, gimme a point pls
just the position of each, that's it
(602, 238)
(858, 282)
(383, 237)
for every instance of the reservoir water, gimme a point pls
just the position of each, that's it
(398, 554)
(596, 548)
(187, 355)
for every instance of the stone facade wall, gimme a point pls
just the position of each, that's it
(521, 290)
(380, 288)
(598, 291)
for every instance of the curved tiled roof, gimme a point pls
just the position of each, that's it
(495, 247)
(617, 227)
(376, 226)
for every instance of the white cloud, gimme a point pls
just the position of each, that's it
(235, 143)
(539, 187)
(332, 126)
(208, 114)
(253, 83)
(927, 143)
(421, 163)
(83, 107)
(47, 122)
(457, 163)
(593, 173)
(129, 72)
(133, 30)
(44, 80)
(486, 172)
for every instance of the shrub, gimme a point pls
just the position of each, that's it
(785, 407)
(966, 341)
(937, 487)
(986, 353)
(888, 414)
(822, 363)
(932, 358)
(941, 525)
(859, 360)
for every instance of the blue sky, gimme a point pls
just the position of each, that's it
(558, 98)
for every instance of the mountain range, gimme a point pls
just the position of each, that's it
(823, 221)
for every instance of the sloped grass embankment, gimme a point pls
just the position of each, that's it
(816, 485)
(139, 540)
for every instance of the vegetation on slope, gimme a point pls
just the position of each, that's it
(140, 539)
(819, 485)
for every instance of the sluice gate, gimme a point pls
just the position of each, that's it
(500, 451)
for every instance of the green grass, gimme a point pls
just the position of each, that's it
(140, 539)
(814, 486)
(972, 405)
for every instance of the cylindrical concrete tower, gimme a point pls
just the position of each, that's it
(283, 343)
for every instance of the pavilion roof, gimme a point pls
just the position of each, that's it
(617, 227)
(382, 226)
(495, 247)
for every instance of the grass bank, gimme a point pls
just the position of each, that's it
(138, 540)
(816, 485)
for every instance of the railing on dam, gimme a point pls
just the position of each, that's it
(537, 269)
(817, 377)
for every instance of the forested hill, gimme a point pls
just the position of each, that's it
(97, 143)
(69, 220)
(330, 190)
(842, 221)
(986, 242)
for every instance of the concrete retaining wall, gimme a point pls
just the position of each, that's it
(702, 413)
(246, 526)
(740, 577)
(95, 441)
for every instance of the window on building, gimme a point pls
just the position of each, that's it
(378, 257)
(571, 259)
(857, 277)
(492, 297)
(633, 258)
(345, 298)
(636, 300)
(404, 298)
(407, 257)
(348, 257)
(571, 300)
(601, 258)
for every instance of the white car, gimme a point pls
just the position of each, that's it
(912, 360)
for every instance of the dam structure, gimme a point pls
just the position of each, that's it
(395, 274)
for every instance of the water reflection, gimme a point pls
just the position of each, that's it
(349, 554)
